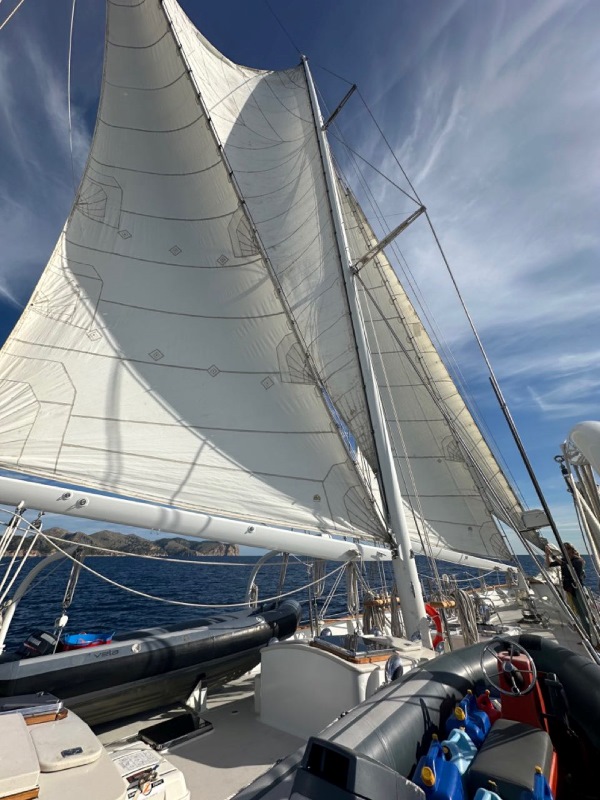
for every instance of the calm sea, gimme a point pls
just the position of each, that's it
(97, 606)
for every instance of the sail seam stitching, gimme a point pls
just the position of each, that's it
(150, 130)
(139, 46)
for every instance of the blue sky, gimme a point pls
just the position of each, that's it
(492, 108)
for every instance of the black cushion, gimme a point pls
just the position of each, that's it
(509, 756)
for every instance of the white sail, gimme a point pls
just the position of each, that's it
(159, 358)
(265, 124)
(189, 342)
(449, 475)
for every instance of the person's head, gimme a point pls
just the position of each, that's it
(570, 550)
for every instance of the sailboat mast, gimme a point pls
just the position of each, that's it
(403, 559)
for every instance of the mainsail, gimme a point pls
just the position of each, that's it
(189, 336)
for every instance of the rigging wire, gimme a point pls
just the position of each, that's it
(424, 367)
(428, 380)
(330, 595)
(373, 167)
(401, 259)
(389, 146)
(147, 596)
(163, 558)
(335, 75)
(438, 338)
(8, 587)
(421, 364)
(422, 531)
(493, 493)
(283, 28)
(12, 13)
(443, 346)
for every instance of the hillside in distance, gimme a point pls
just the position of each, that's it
(175, 547)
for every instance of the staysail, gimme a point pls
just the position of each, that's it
(189, 337)
(449, 475)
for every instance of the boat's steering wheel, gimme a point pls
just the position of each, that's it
(512, 673)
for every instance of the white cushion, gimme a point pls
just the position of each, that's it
(64, 744)
(97, 781)
(19, 769)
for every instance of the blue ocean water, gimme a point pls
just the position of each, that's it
(97, 606)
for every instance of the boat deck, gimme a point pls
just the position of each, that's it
(508, 612)
(240, 747)
(219, 763)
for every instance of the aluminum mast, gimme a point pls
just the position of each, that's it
(403, 559)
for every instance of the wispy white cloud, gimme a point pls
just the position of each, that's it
(502, 144)
(36, 186)
(578, 397)
(498, 123)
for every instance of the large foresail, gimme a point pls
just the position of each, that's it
(266, 127)
(449, 475)
(188, 340)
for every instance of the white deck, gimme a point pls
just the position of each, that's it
(239, 748)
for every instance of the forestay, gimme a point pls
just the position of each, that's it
(169, 352)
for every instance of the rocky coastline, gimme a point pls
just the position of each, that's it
(131, 543)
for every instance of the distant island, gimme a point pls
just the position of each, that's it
(174, 547)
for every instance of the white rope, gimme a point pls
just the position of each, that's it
(352, 600)
(472, 578)
(11, 528)
(373, 614)
(467, 616)
(332, 592)
(12, 13)
(182, 602)
(318, 573)
(396, 620)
